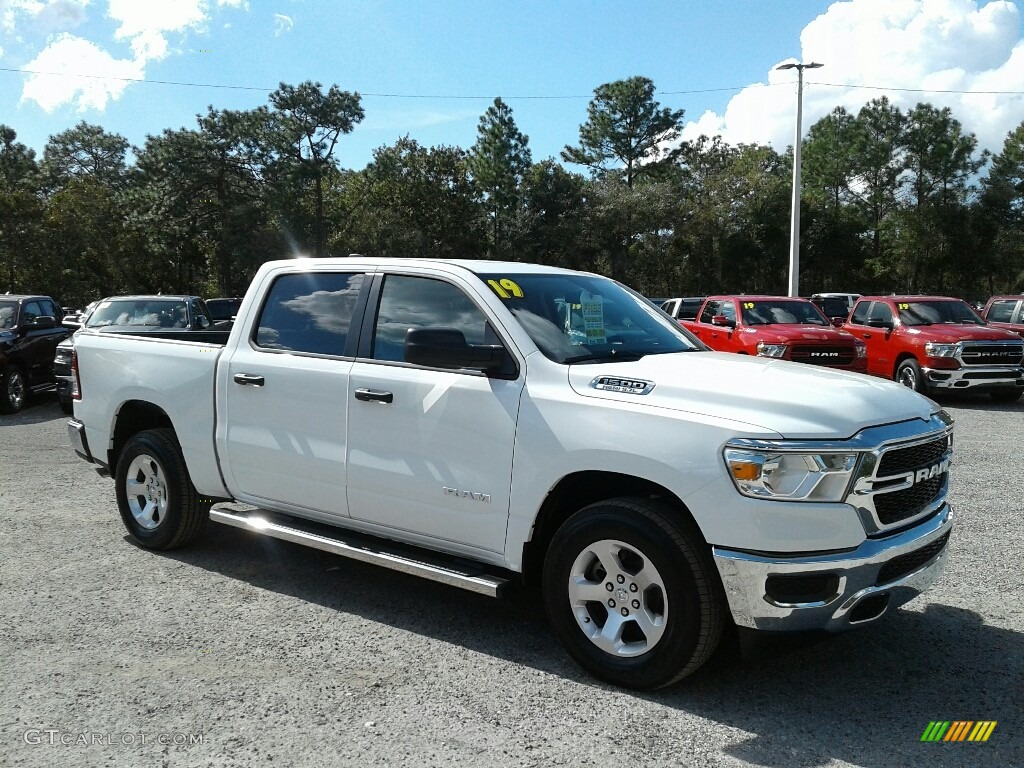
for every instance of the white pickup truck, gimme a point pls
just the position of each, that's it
(479, 422)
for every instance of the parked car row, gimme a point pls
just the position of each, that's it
(30, 329)
(927, 343)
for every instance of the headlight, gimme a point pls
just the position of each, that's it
(783, 476)
(770, 350)
(861, 350)
(941, 350)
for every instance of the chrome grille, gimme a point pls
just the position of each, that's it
(899, 505)
(902, 482)
(992, 353)
(897, 460)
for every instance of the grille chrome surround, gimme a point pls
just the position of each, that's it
(991, 353)
(901, 483)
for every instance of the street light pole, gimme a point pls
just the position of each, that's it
(794, 220)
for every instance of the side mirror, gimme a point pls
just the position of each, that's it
(447, 348)
(723, 320)
(877, 322)
(202, 321)
(43, 321)
(838, 322)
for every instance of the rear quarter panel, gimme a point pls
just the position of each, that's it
(175, 376)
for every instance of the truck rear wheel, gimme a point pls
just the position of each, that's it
(631, 592)
(156, 498)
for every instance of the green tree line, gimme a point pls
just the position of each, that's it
(893, 200)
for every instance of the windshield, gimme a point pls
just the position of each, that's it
(781, 312)
(155, 313)
(932, 312)
(8, 314)
(576, 318)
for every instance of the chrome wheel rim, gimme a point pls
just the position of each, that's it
(16, 390)
(618, 598)
(146, 489)
(908, 378)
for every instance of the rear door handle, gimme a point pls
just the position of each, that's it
(373, 395)
(249, 378)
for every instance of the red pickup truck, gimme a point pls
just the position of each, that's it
(935, 342)
(1005, 312)
(775, 326)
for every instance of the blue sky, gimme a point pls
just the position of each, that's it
(410, 60)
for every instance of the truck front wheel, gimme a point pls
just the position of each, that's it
(908, 373)
(631, 592)
(13, 390)
(156, 498)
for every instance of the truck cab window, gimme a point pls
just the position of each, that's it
(309, 312)
(408, 302)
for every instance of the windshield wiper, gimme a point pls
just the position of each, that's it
(612, 355)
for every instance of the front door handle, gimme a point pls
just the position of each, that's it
(866, 335)
(249, 378)
(373, 395)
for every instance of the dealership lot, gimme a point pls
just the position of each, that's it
(241, 651)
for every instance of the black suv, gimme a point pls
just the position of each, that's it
(30, 331)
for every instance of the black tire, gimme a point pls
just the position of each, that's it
(66, 405)
(1006, 395)
(13, 389)
(163, 510)
(640, 538)
(908, 373)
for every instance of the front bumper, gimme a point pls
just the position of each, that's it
(975, 377)
(840, 590)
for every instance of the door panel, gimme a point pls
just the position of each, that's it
(285, 396)
(430, 451)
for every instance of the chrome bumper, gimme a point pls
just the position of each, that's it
(966, 377)
(80, 445)
(855, 595)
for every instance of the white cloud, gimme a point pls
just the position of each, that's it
(145, 25)
(282, 24)
(959, 45)
(70, 54)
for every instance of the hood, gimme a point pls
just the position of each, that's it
(953, 333)
(784, 333)
(793, 400)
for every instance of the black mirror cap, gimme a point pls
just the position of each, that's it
(447, 348)
(876, 322)
(43, 321)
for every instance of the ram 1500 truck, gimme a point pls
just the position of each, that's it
(479, 422)
(1006, 312)
(935, 343)
(775, 326)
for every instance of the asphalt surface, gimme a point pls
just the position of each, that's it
(242, 651)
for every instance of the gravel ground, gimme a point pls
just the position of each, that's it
(244, 651)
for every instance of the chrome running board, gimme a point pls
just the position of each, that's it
(366, 549)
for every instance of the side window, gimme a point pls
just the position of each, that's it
(32, 310)
(309, 312)
(860, 313)
(49, 308)
(1001, 311)
(709, 311)
(880, 311)
(728, 309)
(408, 302)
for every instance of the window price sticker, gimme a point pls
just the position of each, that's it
(593, 319)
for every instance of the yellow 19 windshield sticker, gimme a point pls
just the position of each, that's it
(748, 305)
(904, 306)
(506, 289)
